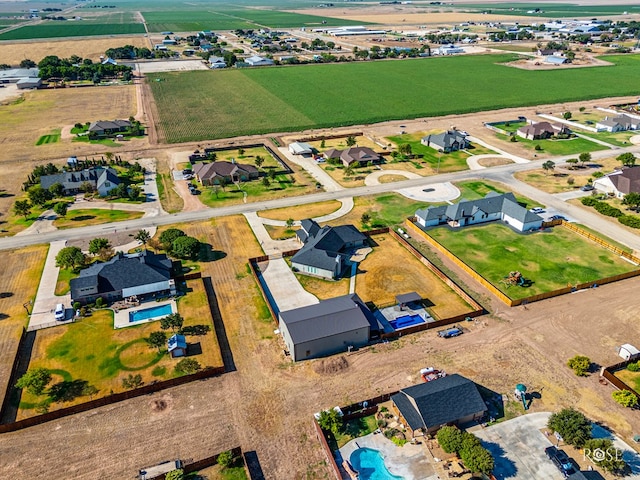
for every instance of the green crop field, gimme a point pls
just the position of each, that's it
(550, 259)
(71, 29)
(219, 19)
(549, 10)
(204, 105)
(112, 17)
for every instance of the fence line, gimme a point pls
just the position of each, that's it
(327, 451)
(196, 465)
(253, 265)
(599, 241)
(609, 374)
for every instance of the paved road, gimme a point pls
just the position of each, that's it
(502, 173)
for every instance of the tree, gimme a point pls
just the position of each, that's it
(405, 149)
(580, 365)
(70, 257)
(566, 115)
(35, 380)
(571, 425)
(548, 166)
(584, 158)
(632, 199)
(177, 474)
(38, 195)
(365, 218)
(259, 161)
(449, 439)
(323, 144)
(266, 182)
(157, 340)
(134, 192)
(185, 247)
(625, 398)
(98, 244)
(173, 321)
(572, 163)
(56, 190)
(188, 366)
(143, 236)
(60, 209)
(225, 459)
(28, 63)
(351, 141)
(289, 222)
(168, 237)
(628, 159)
(477, 459)
(132, 381)
(330, 421)
(602, 452)
(22, 207)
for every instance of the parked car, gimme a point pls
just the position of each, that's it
(537, 210)
(450, 332)
(587, 188)
(558, 217)
(59, 312)
(561, 460)
(187, 176)
(187, 171)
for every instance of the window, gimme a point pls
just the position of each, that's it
(308, 353)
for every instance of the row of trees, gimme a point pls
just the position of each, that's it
(76, 68)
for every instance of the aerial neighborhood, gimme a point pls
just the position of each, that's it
(361, 240)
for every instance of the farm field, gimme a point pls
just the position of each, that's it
(107, 355)
(13, 53)
(390, 270)
(550, 10)
(58, 30)
(251, 101)
(551, 259)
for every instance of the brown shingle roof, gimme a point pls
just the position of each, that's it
(628, 181)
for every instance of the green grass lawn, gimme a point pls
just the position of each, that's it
(447, 162)
(51, 138)
(71, 29)
(94, 216)
(630, 378)
(107, 142)
(475, 189)
(551, 259)
(352, 429)
(248, 156)
(64, 277)
(203, 105)
(569, 146)
(620, 139)
(511, 126)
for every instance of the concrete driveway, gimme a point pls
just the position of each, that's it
(518, 448)
(285, 289)
(310, 165)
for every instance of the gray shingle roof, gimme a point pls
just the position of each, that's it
(109, 125)
(447, 139)
(123, 272)
(74, 180)
(108, 175)
(439, 402)
(322, 248)
(327, 318)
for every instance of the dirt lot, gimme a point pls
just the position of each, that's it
(266, 404)
(92, 48)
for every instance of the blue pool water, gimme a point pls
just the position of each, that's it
(370, 465)
(153, 312)
(406, 321)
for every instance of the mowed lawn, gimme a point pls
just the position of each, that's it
(205, 104)
(551, 260)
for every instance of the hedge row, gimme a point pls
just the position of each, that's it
(606, 209)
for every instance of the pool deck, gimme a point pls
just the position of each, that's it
(121, 317)
(410, 462)
(389, 314)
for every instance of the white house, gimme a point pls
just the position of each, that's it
(300, 148)
(618, 124)
(490, 208)
(257, 61)
(448, 50)
(620, 182)
(217, 62)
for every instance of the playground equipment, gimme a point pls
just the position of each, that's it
(521, 393)
(428, 374)
(514, 278)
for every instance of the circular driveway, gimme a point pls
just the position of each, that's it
(437, 192)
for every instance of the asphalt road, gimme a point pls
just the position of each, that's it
(503, 173)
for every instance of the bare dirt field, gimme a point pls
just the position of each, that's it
(13, 53)
(266, 404)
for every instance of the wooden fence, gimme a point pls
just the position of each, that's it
(194, 466)
(327, 451)
(109, 400)
(609, 374)
(253, 265)
(601, 242)
(541, 296)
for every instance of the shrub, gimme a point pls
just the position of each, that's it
(580, 365)
(571, 181)
(513, 139)
(537, 148)
(225, 459)
(132, 381)
(77, 305)
(99, 302)
(634, 367)
(625, 398)
(188, 366)
(449, 439)
(588, 201)
(629, 221)
(597, 174)
(611, 461)
(477, 459)
(399, 441)
(382, 423)
(608, 210)
(571, 425)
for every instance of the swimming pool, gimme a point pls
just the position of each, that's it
(370, 465)
(406, 321)
(150, 313)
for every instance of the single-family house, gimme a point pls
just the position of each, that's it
(215, 173)
(14, 75)
(491, 208)
(449, 141)
(620, 182)
(619, 123)
(328, 327)
(105, 128)
(448, 50)
(451, 400)
(217, 62)
(139, 274)
(258, 61)
(355, 156)
(29, 83)
(325, 251)
(109, 61)
(542, 130)
(101, 179)
(177, 346)
(300, 148)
